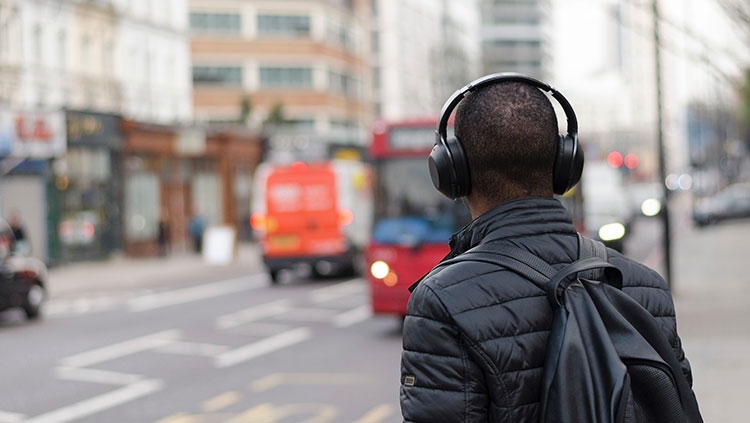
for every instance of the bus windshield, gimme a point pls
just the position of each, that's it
(409, 210)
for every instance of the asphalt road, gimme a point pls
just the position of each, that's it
(235, 350)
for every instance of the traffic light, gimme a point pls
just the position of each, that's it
(614, 159)
(631, 161)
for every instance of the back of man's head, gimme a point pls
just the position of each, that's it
(509, 132)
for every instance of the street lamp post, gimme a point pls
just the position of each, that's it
(662, 161)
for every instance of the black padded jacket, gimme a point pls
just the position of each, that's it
(475, 334)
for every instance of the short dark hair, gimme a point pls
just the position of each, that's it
(509, 131)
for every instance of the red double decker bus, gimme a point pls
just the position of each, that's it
(412, 220)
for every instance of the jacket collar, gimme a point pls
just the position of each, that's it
(516, 218)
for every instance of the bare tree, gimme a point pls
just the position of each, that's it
(739, 11)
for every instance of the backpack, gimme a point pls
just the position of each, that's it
(607, 357)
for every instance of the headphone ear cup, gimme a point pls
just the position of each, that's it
(461, 165)
(440, 172)
(562, 172)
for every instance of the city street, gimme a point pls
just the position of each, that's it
(196, 344)
(230, 350)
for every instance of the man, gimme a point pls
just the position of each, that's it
(18, 231)
(475, 334)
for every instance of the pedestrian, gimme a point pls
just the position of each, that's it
(195, 229)
(163, 236)
(475, 334)
(19, 239)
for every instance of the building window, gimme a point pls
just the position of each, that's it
(38, 54)
(141, 206)
(376, 80)
(515, 43)
(4, 36)
(217, 75)
(108, 65)
(85, 53)
(343, 83)
(339, 35)
(286, 77)
(304, 123)
(226, 23)
(283, 25)
(517, 64)
(62, 50)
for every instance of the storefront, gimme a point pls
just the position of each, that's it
(89, 188)
(28, 140)
(173, 174)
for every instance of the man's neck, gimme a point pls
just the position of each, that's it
(478, 205)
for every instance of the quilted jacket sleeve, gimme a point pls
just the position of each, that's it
(439, 380)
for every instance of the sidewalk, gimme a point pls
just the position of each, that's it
(712, 297)
(125, 273)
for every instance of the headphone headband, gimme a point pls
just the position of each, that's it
(460, 94)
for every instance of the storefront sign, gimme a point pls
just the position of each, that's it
(32, 134)
(93, 129)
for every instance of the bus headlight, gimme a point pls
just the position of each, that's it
(611, 232)
(651, 207)
(380, 269)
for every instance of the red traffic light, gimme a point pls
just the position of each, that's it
(614, 159)
(631, 161)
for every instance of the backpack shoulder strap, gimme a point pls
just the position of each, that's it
(590, 248)
(519, 261)
(587, 247)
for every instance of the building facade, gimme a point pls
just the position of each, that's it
(87, 63)
(173, 175)
(128, 57)
(424, 50)
(303, 63)
(517, 36)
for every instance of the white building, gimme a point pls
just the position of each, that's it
(517, 36)
(605, 66)
(128, 57)
(424, 50)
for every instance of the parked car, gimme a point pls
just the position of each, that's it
(22, 279)
(732, 202)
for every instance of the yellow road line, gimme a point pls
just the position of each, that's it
(220, 402)
(177, 418)
(277, 379)
(377, 414)
(305, 412)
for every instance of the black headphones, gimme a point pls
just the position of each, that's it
(449, 167)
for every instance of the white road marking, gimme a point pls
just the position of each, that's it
(122, 349)
(352, 317)
(259, 348)
(251, 314)
(343, 289)
(8, 417)
(96, 376)
(195, 293)
(192, 348)
(308, 315)
(262, 329)
(99, 403)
